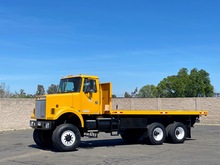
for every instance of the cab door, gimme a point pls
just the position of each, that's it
(90, 96)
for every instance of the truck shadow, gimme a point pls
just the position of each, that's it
(90, 144)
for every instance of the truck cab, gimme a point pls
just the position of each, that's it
(79, 100)
(80, 94)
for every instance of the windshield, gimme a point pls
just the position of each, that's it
(70, 85)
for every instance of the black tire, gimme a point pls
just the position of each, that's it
(132, 135)
(42, 138)
(66, 137)
(177, 132)
(156, 134)
(168, 139)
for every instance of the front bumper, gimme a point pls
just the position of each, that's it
(42, 124)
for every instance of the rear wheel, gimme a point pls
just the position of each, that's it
(66, 137)
(177, 132)
(168, 139)
(42, 138)
(156, 134)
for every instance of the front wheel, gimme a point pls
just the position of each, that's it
(66, 137)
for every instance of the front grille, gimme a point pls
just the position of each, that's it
(40, 109)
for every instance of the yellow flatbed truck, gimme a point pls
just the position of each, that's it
(83, 107)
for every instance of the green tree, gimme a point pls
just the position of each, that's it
(133, 94)
(195, 84)
(21, 94)
(149, 91)
(181, 81)
(175, 85)
(114, 96)
(4, 92)
(127, 95)
(40, 90)
(200, 84)
(52, 89)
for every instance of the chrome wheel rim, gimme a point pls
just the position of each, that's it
(68, 138)
(158, 134)
(179, 133)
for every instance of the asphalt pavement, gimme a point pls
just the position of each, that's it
(18, 148)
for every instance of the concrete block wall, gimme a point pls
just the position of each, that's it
(15, 113)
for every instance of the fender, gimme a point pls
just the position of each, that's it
(64, 110)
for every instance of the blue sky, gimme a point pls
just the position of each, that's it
(127, 42)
